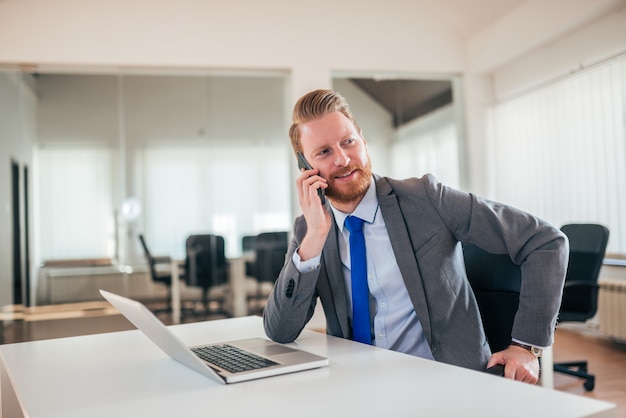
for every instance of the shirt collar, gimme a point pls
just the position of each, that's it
(366, 209)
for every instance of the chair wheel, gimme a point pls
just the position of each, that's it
(589, 385)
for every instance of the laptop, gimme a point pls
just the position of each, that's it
(248, 359)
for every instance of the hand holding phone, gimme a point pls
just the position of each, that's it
(304, 164)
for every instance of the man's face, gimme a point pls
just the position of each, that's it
(333, 145)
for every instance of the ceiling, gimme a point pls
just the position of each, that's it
(407, 99)
(468, 20)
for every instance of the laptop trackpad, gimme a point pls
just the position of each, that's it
(272, 350)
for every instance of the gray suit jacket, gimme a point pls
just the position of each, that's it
(426, 221)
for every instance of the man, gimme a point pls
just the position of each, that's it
(420, 301)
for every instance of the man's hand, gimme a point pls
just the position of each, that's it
(519, 364)
(318, 219)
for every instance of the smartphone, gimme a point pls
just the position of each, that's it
(304, 164)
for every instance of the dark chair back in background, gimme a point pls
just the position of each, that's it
(270, 249)
(496, 282)
(206, 266)
(587, 248)
(587, 245)
(163, 276)
(248, 246)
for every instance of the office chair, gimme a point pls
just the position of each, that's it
(587, 246)
(248, 245)
(206, 267)
(270, 250)
(159, 275)
(496, 282)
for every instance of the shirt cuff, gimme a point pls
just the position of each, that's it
(305, 266)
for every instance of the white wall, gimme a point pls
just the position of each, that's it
(531, 26)
(598, 40)
(292, 35)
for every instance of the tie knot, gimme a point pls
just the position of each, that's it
(353, 223)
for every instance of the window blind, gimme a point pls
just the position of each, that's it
(225, 189)
(75, 203)
(559, 151)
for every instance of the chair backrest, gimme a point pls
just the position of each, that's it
(205, 261)
(149, 258)
(248, 243)
(496, 282)
(587, 244)
(270, 250)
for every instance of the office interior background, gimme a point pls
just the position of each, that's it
(171, 118)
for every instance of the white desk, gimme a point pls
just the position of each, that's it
(123, 374)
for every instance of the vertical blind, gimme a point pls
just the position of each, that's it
(75, 203)
(428, 145)
(226, 189)
(559, 151)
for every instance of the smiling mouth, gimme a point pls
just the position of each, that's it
(345, 175)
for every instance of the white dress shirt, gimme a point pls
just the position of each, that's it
(395, 325)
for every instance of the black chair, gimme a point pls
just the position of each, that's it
(587, 244)
(496, 282)
(270, 250)
(160, 271)
(206, 267)
(248, 245)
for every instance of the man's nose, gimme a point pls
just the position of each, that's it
(341, 158)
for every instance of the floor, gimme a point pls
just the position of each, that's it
(607, 360)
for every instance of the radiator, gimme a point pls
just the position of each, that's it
(80, 284)
(612, 309)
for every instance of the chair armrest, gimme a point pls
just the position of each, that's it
(581, 283)
(162, 259)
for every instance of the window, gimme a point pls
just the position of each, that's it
(75, 208)
(559, 151)
(428, 145)
(226, 189)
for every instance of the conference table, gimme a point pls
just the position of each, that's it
(123, 374)
(237, 281)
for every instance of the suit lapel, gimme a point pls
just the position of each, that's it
(400, 242)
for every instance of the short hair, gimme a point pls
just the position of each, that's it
(314, 105)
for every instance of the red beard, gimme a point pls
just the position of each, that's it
(356, 189)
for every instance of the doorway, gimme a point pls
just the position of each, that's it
(16, 234)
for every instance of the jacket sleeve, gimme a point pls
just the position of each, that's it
(539, 248)
(291, 303)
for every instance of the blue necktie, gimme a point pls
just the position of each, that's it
(358, 272)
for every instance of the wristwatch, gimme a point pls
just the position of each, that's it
(535, 351)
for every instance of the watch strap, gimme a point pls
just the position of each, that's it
(535, 351)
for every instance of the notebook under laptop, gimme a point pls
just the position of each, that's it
(270, 358)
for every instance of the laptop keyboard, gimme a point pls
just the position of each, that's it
(232, 358)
